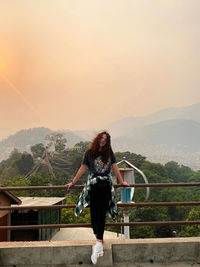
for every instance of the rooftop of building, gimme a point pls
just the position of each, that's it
(40, 201)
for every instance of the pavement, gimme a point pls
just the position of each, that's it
(82, 233)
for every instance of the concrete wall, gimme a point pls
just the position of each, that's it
(126, 253)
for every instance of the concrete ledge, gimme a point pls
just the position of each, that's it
(127, 253)
(167, 251)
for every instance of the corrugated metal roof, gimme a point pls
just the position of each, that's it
(40, 201)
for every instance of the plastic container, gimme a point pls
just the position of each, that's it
(123, 199)
(125, 195)
(128, 195)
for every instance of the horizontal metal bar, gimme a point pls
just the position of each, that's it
(44, 226)
(52, 187)
(147, 204)
(63, 187)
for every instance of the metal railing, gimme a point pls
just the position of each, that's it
(75, 187)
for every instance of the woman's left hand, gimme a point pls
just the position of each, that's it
(125, 183)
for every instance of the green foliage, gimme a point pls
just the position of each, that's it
(15, 155)
(178, 173)
(142, 232)
(40, 179)
(17, 181)
(135, 159)
(192, 230)
(17, 163)
(195, 177)
(68, 215)
(57, 141)
(75, 159)
(155, 169)
(13, 169)
(9, 172)
(150, 214)
(25, 163)
(37, 150)
(83, 145)
(155, 173)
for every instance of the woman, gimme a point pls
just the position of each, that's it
(98, 192)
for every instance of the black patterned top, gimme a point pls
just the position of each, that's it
(96, 166)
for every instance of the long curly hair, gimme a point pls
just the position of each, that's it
(106, 149)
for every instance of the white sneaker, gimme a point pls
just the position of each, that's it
(95, 255)
(100, 251)
(99, 248)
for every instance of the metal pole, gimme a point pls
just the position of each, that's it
(126, 228)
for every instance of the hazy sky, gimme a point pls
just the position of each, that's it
(69, 64)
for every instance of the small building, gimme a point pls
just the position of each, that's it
(36, 217)
(6, 199)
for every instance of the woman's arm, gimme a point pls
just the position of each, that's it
(79, 173)
(118, 174)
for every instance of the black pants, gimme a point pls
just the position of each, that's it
(100, 196)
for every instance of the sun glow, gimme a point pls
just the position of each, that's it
(19, 93)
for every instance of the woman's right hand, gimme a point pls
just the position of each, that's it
(69, 185)
(125, 183)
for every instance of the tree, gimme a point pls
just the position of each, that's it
(151, 214)
(142, 232)
(37, 150)
(14, 155)
(57, 141)
(178, 173)
(83, 145)
(47, 157)
(156, 168)
(75, 158)
(17, 181)
(68, 215)
(192, 230)
(25, 163)
(135, 159)
(9, 173)
(195, 177)
(17, 163)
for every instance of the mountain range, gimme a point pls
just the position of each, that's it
(126, 125)
(168, 134)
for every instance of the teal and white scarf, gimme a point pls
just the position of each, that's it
(84, 198)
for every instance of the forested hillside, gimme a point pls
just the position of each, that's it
(16, 171)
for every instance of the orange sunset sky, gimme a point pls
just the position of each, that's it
(69, 64)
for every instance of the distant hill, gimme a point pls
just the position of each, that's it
(72, 137)
(164, 141)
(178, 134)
(126, 125)
(168, 134)
(24, 139)
(85, 134)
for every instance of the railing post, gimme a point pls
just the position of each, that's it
(126, 228)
